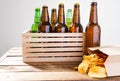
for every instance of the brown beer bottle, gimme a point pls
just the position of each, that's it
(93, 30)
(61, 26)
(76, 26)
(45, 26)
(53, 19)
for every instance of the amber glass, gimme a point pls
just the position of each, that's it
(61, 26)
(45, 26)
(53, 19)
(93, 30)
(76, 26)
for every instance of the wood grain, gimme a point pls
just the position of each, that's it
(39, 47)
(12, 68)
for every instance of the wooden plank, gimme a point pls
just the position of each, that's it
(43, 76)
(51, 44)
(59, 59)
(6, 54)
(52, 34)
(51, 39)
(54, 54)
(39, 67)
(13, 61)
(19, 61)
(52, 49)
(16, 51)
(37, 76)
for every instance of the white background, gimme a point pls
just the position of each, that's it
(17, 16)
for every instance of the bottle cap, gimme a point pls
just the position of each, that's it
(94, 4)
(53, 10)
(61, 5)
(37, 9)
(45, 6)
(76, 5)
(69, 10)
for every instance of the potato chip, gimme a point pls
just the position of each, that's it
(97, 72)
(93, 65)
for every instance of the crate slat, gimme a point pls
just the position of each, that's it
(53, 49)
(59, 59)
(52, 39)
(41, 47)
(28, 34)
(54, 54)
(51, 44)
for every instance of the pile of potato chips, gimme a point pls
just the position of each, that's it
(93, 64)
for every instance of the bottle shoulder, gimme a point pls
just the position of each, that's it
(60, 25)
(45, 28)
(75, 25)
(44, 23)
(76, 28)
(92, 26)
(61, 28)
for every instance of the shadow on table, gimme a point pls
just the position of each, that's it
(54, 66)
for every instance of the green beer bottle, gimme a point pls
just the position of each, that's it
(69, 18)
(37, 20)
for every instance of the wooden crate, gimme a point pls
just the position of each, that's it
(52, 47)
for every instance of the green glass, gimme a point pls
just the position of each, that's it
(37, 16)
(69, 18)
(34, 27)
(37, 20)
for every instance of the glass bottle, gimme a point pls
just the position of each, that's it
(69, 18)
(37, 20)
(45, 26)
(93, 29)
(61, 26)
(76, 26)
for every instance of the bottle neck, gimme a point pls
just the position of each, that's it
(76, 15)
(37, 17)
(61, 16)
(93, 14)
(69, 13)
(45, 14)
(54, 17)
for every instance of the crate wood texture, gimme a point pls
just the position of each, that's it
(52, 47)
(12, 68)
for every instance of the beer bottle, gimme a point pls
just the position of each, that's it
(69, 18)
(61, 26)
(37, 20)
(76, 26)
(53, 19)
(45, 26)
(93, 30)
